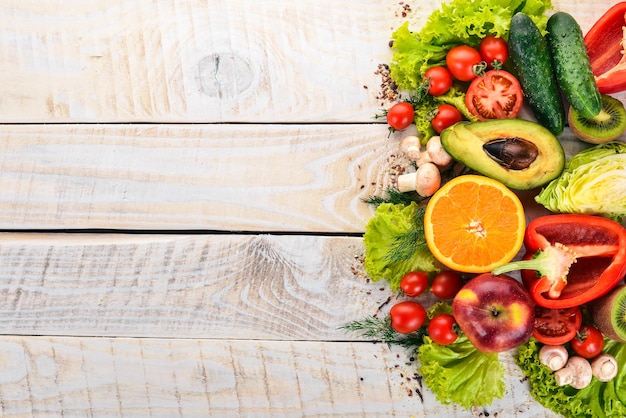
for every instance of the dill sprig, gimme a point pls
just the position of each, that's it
(406, 244)
(380, 330)
(394, 196)
(374, 328)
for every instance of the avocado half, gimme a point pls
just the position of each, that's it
(519, 153)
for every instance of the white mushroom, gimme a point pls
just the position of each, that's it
(553, 356)
(604, 367)
(576, 373)
(436, 152)
(426, 180)
(412, 147)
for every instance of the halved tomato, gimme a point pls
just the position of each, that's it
(556, 326)
(495, 95)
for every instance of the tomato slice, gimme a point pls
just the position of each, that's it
(495, 95)
(556, 326)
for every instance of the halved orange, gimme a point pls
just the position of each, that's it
(474, 224)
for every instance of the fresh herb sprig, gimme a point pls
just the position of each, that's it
(380, 329)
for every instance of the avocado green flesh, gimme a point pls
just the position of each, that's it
(465, 140)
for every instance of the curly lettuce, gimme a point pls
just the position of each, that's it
(459, 373)
(596, 400)
(395, 244)
(593, 182)
(456, 22)
(426, 109)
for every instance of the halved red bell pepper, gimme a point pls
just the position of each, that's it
(571, 259)
(605, 48)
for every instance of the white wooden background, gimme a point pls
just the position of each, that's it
(180, 186)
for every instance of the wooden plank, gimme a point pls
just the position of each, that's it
(203, 60)
(215, 177)
(306, 178)
(103, 377)
(205, 286)
(191, 60)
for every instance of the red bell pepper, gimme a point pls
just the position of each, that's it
(571, 259)
(605, 48)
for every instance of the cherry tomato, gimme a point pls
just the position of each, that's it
(414, 283)
(589, 342)
(440, 80)
(556, 326)
(446, 284)
(495, 95)
(400, 115)
(461, 60)
(447, 115)
(407, 316)
(494, 51)
(441, 329)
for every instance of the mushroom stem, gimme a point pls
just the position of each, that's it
(576, 373)
(604, 367)
(426, 180)
(553, 356)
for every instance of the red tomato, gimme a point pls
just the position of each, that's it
(447, 115)
(556, 326)
(589, 342)
(496, 95)
(441, 329)
(461, 60)
(440, 80)
(494, 51)
(414, 283)
(407, 317)
(446, 284)
(400, 115)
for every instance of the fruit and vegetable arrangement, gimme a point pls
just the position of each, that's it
(549, 290)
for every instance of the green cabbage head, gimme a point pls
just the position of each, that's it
(593, 182)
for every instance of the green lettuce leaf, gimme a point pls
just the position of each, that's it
(425, 110)
(459, 373)
(456, 22)
(395, 244)
(596, 400)
(593, 182)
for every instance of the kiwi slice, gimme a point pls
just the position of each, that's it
(608, 125)
(609, 313)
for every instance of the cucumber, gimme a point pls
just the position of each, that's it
(571, 65)
(530, 58)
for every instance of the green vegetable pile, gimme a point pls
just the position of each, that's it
(457, 22)
(596, 400)
(593, 182)
(395, 243)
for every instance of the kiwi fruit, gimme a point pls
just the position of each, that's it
(609, 313)
(608, 125)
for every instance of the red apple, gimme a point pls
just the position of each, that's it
(496, 313)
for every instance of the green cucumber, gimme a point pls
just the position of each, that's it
(571, 64)
(530, 57)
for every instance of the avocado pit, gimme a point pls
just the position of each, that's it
(513, 153)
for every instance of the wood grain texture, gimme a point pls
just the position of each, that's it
(191, 60)
(215, 177)
(202, 60)
(304, 178)
(74, 377)
(207, 286)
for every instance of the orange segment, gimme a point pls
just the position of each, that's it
(474, 224)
